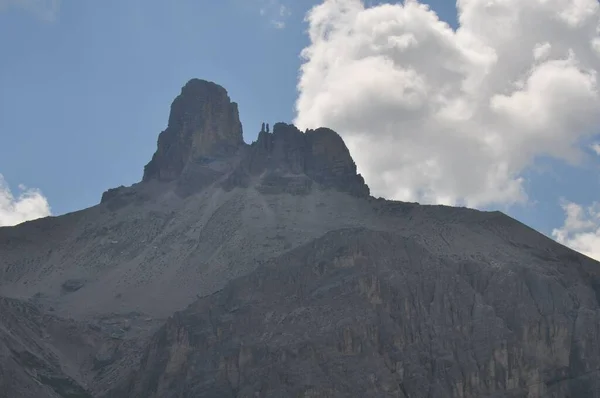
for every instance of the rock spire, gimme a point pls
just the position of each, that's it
(203, 123)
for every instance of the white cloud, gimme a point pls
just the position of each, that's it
(46, 10)
(541, 51)
(455, 117)
(581, 229)
(29, 205)
(276, 11)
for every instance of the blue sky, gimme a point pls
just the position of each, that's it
(85, 88)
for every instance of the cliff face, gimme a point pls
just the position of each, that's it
(203, 124)
(289, 160)
(362, 313)
(267, 270)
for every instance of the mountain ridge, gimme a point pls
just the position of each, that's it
(195, 152)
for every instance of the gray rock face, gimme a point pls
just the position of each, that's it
(29, 364)
(44, 355)
(287, 155)
(267, 270)
(203, 123)
(112, 193)
(362, 313)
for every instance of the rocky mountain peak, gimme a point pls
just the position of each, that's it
(203, 123)
(203, 145)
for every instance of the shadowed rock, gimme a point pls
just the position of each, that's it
(360, 313)
(287, 155)
(203, 123)
(72, 285)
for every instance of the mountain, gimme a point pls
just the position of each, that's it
(268, 270)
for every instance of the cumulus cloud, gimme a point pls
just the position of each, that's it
(276, 11)
(46, 10)
(28, 205)
(581, 229)
(437, 115)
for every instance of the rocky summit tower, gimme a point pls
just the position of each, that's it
(203, 124)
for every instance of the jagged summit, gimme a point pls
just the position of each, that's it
(203, 145)
(289, 159)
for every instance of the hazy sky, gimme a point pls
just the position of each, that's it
(494, 106)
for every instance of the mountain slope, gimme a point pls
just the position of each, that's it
(31, 364)
(297, 282)
(375, 314)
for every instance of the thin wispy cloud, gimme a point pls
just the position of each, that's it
(276, 11)
(45, 10)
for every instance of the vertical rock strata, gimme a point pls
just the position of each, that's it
(203, 123)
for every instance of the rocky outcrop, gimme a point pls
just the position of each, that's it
(330, 164)
(72, 285)
(203, 145)
(112, 193)
(203, 124)
(289, 160)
